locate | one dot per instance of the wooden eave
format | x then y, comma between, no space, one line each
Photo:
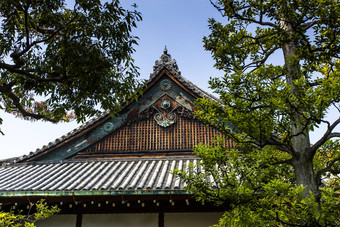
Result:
102,204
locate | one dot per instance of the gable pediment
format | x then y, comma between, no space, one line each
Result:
165,127
160,122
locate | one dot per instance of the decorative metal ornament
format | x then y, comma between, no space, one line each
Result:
108,127
165,85
165,119
165,104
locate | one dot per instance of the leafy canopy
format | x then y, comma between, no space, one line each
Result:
56,58
281,62
41,211
262,98
258,189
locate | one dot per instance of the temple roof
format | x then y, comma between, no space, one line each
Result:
133,154
181,94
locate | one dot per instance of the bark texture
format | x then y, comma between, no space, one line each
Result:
302,160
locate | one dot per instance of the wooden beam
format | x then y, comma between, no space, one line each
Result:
160,219
79,220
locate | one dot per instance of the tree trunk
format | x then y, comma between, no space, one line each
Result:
302,159
304,173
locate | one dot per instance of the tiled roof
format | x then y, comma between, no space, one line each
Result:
137,176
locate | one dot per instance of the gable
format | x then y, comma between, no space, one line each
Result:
157,130
161,122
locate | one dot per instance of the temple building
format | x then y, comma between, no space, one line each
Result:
119,171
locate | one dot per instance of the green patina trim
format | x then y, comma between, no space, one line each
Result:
91,193
176,92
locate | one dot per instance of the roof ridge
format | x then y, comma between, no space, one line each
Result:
58,140
168,158
166,61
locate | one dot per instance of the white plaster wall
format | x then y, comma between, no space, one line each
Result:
58,220
191,219
120,220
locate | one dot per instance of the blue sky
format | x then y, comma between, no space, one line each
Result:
178,24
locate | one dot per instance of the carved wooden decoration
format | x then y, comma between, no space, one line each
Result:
164,126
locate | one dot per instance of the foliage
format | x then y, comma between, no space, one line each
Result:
58,60
259,188
269,105
15,220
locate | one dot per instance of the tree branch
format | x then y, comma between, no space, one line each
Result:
308,25
219,9
258,63
274,141
328,46
260,22
14,69
17,55
283,222
7,90
238,16
288,161
26,23
334,134
328,134
327,169
334,104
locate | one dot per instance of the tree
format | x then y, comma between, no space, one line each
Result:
56,58
269,108
18,219
257,188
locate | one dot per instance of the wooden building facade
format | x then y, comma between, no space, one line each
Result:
119,171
